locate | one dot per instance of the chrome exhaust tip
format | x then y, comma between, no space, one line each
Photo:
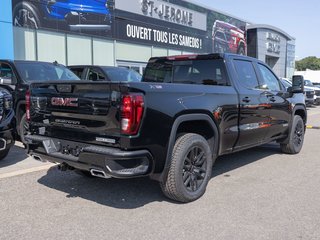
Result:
99,173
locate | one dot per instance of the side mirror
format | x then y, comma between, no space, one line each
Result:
297,84
6,81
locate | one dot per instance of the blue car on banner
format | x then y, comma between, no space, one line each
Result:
74,15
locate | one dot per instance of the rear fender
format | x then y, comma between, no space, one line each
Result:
173,135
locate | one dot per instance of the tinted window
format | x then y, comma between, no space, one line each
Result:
211,72
40,71
5,71
269,80
78,71
160,71
122,74
246,73
95,75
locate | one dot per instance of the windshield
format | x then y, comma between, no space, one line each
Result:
308,83
122,74
42,71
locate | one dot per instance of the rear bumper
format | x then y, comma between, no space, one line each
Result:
111,161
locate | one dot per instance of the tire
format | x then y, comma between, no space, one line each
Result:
25,14
187,179
4,153
296,137
23,128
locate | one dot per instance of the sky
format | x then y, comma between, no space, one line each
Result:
300,19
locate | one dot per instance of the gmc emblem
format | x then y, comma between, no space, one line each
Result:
65,102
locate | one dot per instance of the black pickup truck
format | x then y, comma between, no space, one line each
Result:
187,111
18,75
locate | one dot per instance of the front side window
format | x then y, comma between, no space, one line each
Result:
269,80
246,73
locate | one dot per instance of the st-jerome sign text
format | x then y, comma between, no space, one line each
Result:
167,12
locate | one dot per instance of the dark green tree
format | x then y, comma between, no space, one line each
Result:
312,63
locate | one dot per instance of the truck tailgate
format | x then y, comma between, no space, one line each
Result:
82,111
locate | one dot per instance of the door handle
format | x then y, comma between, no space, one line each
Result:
246,100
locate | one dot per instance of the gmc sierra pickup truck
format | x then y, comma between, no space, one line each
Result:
187,111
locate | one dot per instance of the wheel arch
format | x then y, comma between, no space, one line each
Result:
20,111
186,124
301,111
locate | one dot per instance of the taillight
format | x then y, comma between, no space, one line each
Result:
28,105
132,107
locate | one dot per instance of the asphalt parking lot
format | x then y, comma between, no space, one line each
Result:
255,194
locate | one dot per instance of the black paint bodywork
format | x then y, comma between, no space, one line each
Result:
220,113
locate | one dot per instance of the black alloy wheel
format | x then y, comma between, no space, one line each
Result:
190,168
296,137
194,169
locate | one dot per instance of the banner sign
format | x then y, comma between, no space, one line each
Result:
164,11
173,24
143,33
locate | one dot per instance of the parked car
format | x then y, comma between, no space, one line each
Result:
187,111
228,38
18,75
75,15
105,73
7,121
309,92
308,83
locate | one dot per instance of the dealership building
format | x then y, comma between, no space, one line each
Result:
127,33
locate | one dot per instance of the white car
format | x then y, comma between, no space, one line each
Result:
309,92
308,83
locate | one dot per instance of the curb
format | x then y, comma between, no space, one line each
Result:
312,127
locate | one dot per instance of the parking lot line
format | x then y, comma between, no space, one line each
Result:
25,171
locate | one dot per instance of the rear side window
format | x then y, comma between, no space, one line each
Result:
208,72
246,73
160,71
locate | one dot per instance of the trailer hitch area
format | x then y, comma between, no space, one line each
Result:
50,146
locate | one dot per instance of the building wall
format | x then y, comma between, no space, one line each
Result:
136,35
70,49
6,41
272,49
